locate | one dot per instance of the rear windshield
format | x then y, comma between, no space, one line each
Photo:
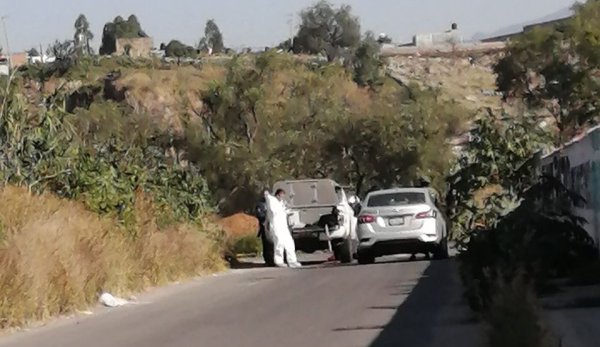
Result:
396,199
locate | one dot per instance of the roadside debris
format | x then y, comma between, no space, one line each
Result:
108,300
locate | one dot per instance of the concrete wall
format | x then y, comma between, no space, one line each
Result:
577,165
464,48
140,47
438,39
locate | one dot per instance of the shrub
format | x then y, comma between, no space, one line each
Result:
46,151
513,319
249,244
57,256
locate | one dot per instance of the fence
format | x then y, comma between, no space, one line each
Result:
577,166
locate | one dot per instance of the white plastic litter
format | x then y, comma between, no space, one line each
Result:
108,300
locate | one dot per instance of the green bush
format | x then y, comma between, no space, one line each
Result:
249,244
525,223
47,152
532,238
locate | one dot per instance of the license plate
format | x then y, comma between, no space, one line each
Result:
396,221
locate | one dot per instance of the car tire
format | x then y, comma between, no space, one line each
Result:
365,259
343,252
441,251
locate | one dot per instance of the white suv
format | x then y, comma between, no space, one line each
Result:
402,220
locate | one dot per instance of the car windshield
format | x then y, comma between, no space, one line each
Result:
396,199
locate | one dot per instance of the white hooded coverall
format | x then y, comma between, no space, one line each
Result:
280,231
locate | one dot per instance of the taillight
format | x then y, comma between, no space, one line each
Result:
425,215
366,219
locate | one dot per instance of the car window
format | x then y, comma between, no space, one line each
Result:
396,199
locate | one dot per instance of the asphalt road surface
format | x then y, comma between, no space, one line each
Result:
391,303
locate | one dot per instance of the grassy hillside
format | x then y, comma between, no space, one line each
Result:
56,256
473,85
114,169
233,112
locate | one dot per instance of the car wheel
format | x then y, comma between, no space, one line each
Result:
343,252
442,251
365,259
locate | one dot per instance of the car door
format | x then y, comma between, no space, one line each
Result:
350,220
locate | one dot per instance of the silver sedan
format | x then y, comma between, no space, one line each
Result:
401,220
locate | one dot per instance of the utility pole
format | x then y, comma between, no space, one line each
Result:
8,54
291,23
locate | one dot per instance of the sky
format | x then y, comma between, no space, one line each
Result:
258,23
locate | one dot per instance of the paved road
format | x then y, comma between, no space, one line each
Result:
394,303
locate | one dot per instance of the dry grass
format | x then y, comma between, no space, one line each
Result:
239,225
455,77
56,257
166,95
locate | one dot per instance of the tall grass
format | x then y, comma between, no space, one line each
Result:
56,256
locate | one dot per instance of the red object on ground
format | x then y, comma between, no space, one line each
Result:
332,258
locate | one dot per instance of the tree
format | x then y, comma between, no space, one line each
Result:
32,52
493,169
212,42
179,50
324,29
555,68
507,220
65,53
367,63
83,35
383,38
117,29
278,118
285,45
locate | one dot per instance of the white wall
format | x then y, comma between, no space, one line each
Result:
580,172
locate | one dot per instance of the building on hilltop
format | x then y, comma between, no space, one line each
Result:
526,29
18,59
134,47
13,61
449,37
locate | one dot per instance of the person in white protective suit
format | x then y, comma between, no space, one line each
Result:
279,230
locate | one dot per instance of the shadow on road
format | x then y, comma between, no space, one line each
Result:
237,264
416,318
